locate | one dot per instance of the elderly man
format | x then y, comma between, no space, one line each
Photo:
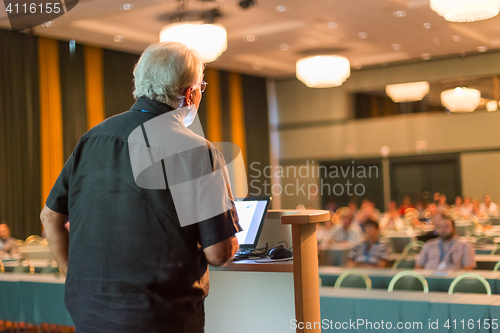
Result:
133,261
8,245
373,252
447,252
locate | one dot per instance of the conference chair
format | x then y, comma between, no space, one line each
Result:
408,262
413,248
51,269
495,251
33,240
484,240
497,266
353,279
408,280
29,268
20,242
470,283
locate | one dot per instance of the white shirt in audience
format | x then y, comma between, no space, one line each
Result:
352,235
492,210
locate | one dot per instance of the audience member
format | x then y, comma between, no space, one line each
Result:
391,219
353,207
373,252
367,212
456,209
431,214
8,245
443,204
436,197
467,208
447,252
324,233
405,205
476,210
488,207
421,206
346,231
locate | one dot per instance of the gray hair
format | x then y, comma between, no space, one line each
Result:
165,70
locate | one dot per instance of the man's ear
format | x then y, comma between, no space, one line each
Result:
187,95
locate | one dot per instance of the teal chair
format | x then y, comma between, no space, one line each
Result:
354,279
497,266
408,280
495,251
50,270
413,248
470,283
408,263
484,240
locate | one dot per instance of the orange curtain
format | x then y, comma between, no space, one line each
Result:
93,59
51,133
213,105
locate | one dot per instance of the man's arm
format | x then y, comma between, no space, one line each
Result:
382,263
57,235
220,253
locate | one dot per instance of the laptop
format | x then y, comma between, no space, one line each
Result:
251,213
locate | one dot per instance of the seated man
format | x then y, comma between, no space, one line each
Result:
346,231
373,252
8,245
447,252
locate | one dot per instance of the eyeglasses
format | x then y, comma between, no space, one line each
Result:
203,86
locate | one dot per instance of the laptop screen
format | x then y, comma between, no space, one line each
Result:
251,213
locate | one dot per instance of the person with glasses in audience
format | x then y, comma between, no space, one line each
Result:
133,263
447,252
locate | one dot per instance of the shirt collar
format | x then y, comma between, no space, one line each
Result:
150,105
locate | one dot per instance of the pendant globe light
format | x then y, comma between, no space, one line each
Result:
407,92
466,10
323,71
209,40
461,99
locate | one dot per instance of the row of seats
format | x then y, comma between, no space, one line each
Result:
411,280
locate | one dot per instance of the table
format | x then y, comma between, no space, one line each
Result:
33,299
333,255
382,277
346,304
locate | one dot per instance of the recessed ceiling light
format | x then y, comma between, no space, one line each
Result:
126,6
332,25
425,56
427,25
47,24
363,35
455,38
250,38
399,13
118,39
72,45
396,47
482,48
357,65
285,47
281,8
257,66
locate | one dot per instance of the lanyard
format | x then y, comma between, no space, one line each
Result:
366,251
442,253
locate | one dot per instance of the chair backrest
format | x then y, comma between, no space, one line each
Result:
404,263
33,240
497,266
495,251
413,248
354,279
50,270
484,240
20,242
470,283
24,269
408,280
43,242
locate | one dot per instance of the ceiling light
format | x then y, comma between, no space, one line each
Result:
466,10
425,56
285,47
257,66
47,24
396,47
363,35
461,99
126,6
357,65
332,25
482,48
280,8
118,39
399,13
407,92
209,40
250,38
455,38
492,106
323,71
427,25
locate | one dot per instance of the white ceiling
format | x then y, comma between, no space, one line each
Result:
303,27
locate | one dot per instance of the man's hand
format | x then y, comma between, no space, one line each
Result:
220,253
57,236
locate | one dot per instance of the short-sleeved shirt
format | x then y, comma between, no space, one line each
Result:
368,253
353,235
454,255
132,267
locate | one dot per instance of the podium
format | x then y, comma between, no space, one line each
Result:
248,296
